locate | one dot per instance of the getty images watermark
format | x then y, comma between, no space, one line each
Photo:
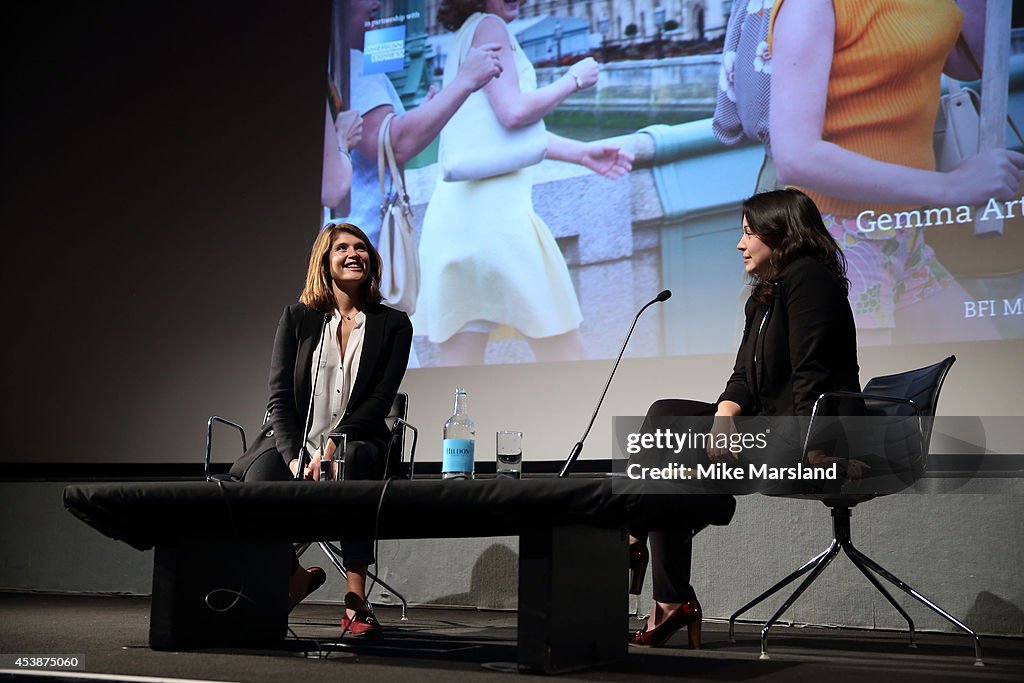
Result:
670,442
857,455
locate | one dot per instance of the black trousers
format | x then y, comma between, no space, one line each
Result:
364,460
672,551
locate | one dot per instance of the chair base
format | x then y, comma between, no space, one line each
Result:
841,541
333,554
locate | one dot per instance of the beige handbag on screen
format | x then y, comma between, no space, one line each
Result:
400,276
955,136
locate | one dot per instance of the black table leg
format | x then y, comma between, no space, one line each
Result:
573,605
212,592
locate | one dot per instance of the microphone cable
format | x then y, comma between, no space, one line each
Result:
239,593
299,470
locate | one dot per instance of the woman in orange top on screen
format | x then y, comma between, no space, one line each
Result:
854,93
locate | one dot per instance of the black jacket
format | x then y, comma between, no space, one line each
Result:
385,354
808,345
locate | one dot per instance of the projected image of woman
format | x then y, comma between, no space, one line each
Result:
340,137
487,259
799,340
374,97
349,351
854,92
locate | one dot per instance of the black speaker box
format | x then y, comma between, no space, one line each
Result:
213,592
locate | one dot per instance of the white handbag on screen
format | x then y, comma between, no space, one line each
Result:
474,143
957,124
399,253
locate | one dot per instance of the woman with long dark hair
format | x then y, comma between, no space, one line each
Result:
798,342
339,358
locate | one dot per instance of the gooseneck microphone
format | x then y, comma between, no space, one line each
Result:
578,448
303,455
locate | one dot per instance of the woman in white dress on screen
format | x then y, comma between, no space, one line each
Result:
487,259
374,97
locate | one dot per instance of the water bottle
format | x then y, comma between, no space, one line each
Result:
459,441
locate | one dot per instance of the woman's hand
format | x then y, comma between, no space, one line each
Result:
585,73
412,131
610,161
721,436
996,174
482,63
349,127
312,469
848,469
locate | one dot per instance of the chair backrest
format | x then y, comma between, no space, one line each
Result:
396,447
894,441
922,386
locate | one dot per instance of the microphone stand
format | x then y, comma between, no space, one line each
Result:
574,454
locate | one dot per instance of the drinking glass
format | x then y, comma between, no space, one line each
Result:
509,449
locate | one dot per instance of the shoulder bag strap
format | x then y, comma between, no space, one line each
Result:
962,44
397,175
383,145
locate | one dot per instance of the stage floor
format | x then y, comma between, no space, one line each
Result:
110,636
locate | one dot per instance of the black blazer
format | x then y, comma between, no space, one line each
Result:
385,355
808,345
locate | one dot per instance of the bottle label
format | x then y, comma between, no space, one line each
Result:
457,455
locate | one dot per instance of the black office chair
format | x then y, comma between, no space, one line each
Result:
395,467
899,409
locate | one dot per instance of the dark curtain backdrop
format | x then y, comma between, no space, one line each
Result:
162,169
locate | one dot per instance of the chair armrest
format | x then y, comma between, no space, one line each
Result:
401,423
209,439
861,395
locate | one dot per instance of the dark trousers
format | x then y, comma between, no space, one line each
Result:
672,551
363,460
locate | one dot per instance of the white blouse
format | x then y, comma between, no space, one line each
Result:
335,379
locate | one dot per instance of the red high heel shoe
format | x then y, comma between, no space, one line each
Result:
364,623
638,559
688,614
